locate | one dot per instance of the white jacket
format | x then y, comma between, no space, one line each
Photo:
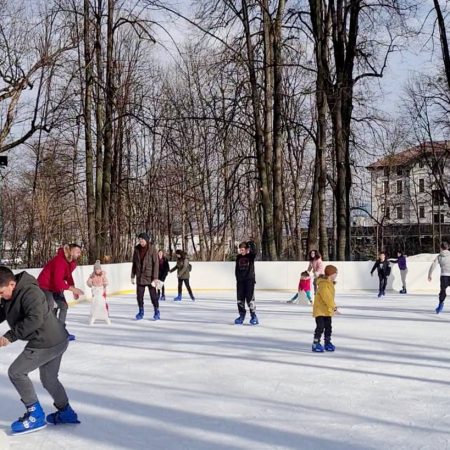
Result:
444,261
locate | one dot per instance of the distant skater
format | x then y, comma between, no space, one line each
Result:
245,283
401,261
163,272
443,259
183,268
383,267
316,266
303,294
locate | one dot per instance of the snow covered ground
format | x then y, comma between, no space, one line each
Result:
196,381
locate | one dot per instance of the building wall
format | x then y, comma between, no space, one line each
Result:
411,199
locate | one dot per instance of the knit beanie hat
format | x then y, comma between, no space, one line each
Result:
330,270
144,236
97,266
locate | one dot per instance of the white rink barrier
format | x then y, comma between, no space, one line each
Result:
352,276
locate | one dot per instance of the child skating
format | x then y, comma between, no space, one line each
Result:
383,267
324,309
98,281
183,269
30,318
245,283
303,295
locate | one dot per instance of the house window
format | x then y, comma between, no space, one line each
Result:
421,212
421,185
399,187
386,187
387,212
399,171
399,212
438,197
438,218
386,171
421,164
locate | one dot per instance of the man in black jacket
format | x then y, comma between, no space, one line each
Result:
245,282
383,267
25,308
145,269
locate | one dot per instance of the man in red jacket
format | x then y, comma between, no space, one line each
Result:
56,277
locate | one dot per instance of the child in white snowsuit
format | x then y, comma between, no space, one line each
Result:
97,281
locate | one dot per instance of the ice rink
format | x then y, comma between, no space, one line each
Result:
194,380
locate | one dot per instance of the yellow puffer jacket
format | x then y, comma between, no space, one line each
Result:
324,300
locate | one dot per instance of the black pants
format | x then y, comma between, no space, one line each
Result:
382,283
140,291
162,292
188,286
323,323
445,283
246,294
58,304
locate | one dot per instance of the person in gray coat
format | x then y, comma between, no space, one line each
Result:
183,269
443,259
30,318
145,269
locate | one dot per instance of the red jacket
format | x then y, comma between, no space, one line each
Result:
56,276
304,285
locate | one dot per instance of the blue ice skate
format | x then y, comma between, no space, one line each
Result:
379,294
71,337
317,347
32,420
163,298
329,347
156,316
239,320
63,415
193,299
140,314
178,298
440,307
254,320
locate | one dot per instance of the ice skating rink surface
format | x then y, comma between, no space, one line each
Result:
196,381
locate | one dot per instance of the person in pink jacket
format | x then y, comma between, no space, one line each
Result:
316,266
98,281
304,285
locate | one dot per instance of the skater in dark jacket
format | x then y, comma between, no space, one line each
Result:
163,272
383,267
145,269
245,283
30,318
183,269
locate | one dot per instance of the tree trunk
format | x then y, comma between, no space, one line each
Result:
87,105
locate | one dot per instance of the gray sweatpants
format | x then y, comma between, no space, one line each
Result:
48,361
403,274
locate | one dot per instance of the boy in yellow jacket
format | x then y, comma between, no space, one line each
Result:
324,309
